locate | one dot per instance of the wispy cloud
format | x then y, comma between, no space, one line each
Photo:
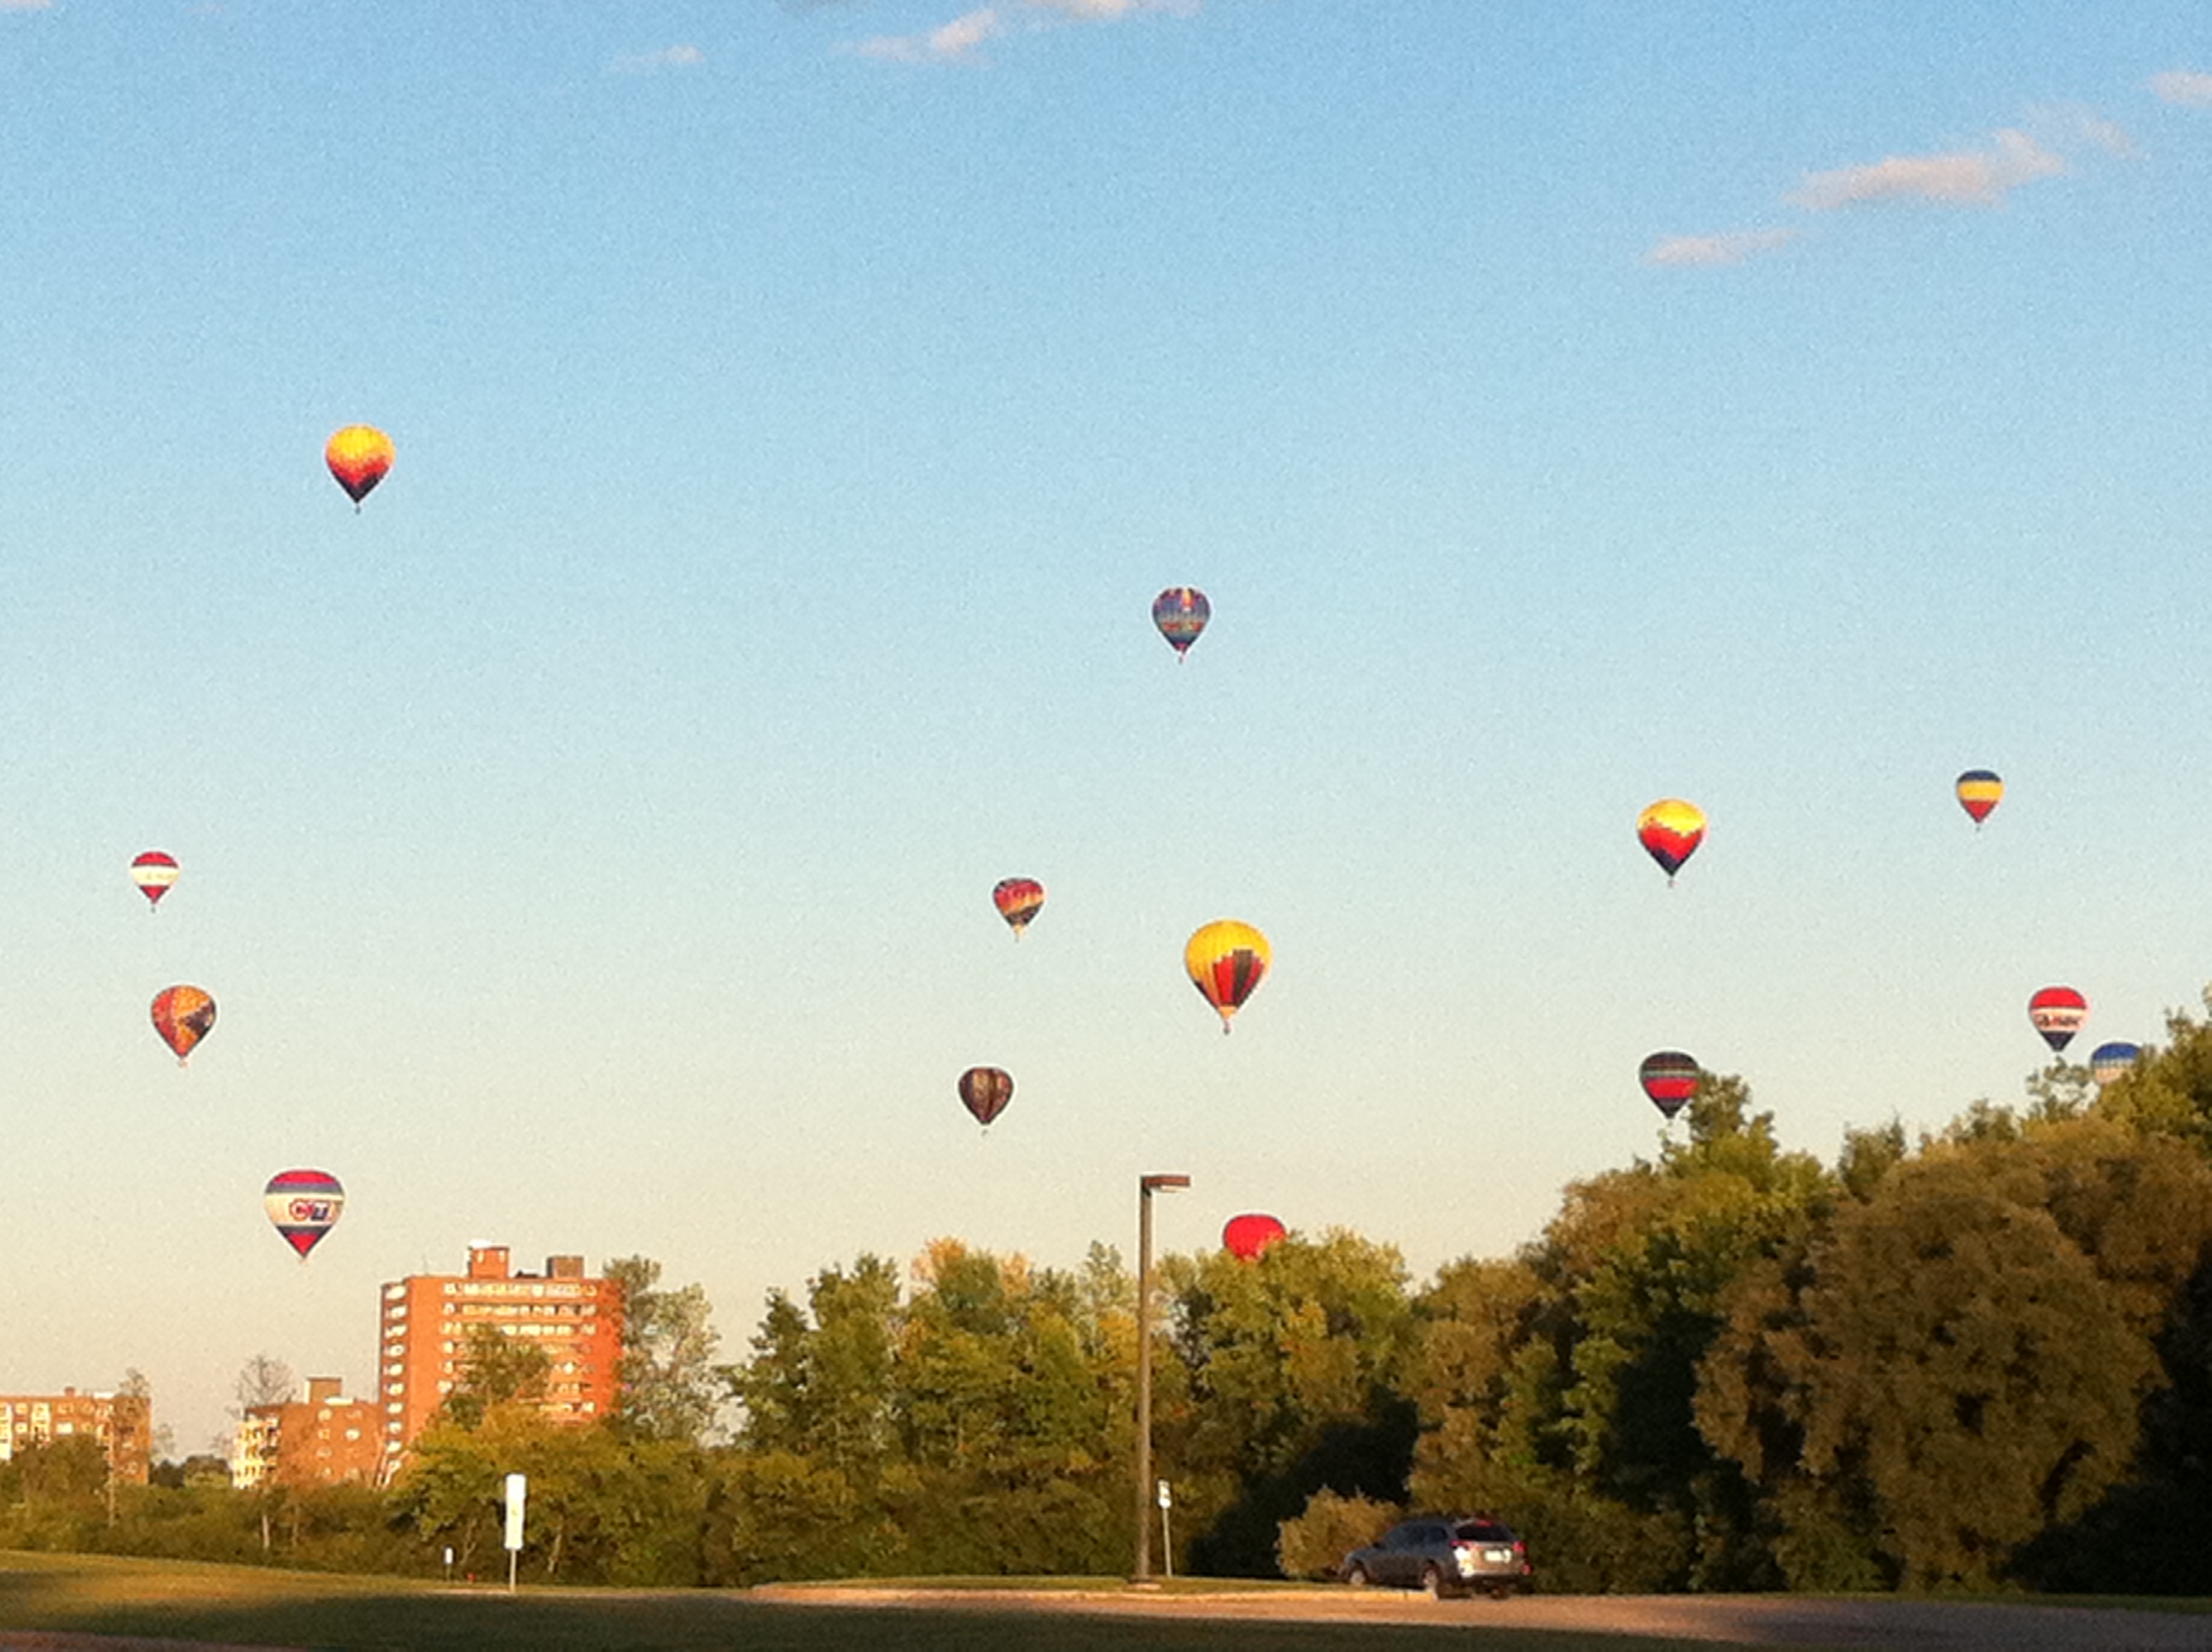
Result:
961,39
1710,252
1959,178
957,41
673,57
2183,86
1108,11
24,5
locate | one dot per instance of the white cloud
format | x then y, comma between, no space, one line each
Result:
1711,251
1108,11
26,5
1961,178
958,41
2184,86
953,42
674,57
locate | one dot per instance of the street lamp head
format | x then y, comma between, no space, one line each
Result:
1150,1184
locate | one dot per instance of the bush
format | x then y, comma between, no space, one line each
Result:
1315,1543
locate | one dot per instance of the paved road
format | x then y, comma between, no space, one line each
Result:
1739,1620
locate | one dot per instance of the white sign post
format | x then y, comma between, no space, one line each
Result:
1167,1536
518,1492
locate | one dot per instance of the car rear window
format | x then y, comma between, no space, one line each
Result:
1484,1531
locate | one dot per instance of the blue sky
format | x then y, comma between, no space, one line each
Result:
589,844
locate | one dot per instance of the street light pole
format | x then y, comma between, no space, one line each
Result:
1146,1185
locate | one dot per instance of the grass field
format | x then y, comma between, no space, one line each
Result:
247,1606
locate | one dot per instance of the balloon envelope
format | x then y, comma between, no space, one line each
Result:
1669,1078
154,872
359,456
1979,791
1017,900
182,1016
1180,611
2058,1013
304,1205
985,1091
1670,831
2108,1061
1226,960
1245,1237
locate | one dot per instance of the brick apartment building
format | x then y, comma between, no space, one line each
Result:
427,1318
122,1423
322,1440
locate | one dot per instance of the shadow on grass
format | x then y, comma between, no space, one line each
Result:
247,1606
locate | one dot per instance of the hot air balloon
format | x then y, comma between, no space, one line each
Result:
985,1091
1226,960
1979,791
1669,1078
182,1016
2108,1061
359,456
154,872
2058,1013
1017,900
304,1205
1246,1236
1670,831
1180,611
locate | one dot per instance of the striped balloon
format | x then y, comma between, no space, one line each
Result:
1979,791
154,872
304,1205
2057,1014
1669,1078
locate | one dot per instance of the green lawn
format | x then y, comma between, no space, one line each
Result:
184,1601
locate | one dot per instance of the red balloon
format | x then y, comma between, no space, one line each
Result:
1017,900
1246,1236
2058,1013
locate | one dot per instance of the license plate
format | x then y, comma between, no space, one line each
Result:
1497,1556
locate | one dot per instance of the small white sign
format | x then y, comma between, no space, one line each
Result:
517,1491
1166,1497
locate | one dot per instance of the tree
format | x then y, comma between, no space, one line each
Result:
670,1387
1959,1360
495,1369
1288,1377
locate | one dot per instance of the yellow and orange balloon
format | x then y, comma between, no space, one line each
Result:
1670,831
1226,960
359,456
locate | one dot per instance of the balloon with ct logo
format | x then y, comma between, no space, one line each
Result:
1247,1236
1669,1078
1017,900
1226,960
305,1206
1180,611
985,1091
1670,831
1978,791
359,456
155,873
182,1016
2057,1014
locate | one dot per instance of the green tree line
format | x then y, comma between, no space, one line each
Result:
1979,1360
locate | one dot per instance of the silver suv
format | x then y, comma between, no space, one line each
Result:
1444,1555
